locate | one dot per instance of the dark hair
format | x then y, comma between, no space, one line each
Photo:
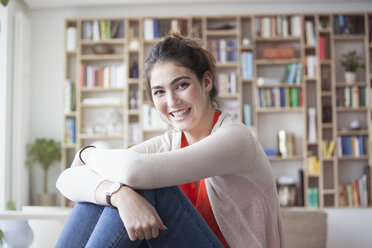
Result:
183,52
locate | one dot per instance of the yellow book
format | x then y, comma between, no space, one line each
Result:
331,148
103,29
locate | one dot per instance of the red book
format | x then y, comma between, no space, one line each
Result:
322,51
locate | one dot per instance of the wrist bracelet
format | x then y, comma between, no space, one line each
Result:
82,151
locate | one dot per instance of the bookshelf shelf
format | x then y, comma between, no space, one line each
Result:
329,191
327,125
226,64
276,61
242,47
101,136
100,89
222,33
252,104
94,57
281,85
351,109
342,84
279,159
352,132
278,110
278,39
346,158
69,146
325,62
70,114
102,105
103,42
348,37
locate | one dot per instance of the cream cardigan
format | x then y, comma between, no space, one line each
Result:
239,180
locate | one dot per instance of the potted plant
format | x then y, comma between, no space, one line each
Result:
4,2
44,152
351,63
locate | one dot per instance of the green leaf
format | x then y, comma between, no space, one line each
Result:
10,205
1,236
4,2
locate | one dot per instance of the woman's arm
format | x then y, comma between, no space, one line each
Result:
79,183
229,150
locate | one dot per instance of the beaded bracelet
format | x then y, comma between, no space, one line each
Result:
82,151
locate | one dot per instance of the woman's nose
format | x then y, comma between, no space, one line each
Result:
173,100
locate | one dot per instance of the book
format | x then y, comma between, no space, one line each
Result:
310,33
87,31
71,39
247,109
292,73
70,135
311,65
322,47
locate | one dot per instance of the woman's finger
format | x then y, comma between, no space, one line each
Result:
147,233
140,234
154,232
132,235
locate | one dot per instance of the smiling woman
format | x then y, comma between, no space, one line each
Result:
228,196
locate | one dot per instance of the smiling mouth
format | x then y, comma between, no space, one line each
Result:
181,113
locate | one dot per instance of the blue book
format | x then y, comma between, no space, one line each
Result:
247,114
156,28
292,73
249,64
282,97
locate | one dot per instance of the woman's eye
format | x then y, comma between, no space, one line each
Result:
158,92
182,85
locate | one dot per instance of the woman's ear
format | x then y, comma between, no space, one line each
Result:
207,82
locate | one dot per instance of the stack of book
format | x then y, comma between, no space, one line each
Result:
355,193
353,145
224,50
227,83
279,97
107,76
70,136
247,64
351,96
313,197
102,30
278,26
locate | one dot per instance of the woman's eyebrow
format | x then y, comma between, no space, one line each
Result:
173,82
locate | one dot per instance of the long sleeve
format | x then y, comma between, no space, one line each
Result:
79,184
231,149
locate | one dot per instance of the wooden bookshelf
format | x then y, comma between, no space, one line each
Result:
243,64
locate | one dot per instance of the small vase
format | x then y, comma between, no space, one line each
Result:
350,77
312,125
17,233
47,199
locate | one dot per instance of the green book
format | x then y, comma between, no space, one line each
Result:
108,29
114,29
294,97
287,98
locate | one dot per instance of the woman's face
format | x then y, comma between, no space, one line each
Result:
180,96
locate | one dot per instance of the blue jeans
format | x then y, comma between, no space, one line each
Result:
91,225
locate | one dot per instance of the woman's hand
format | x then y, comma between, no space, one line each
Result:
140,218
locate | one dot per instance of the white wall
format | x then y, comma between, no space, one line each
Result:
14,175
3,103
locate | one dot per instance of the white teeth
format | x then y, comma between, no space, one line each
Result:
180,113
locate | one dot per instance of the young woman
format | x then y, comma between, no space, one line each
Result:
214,158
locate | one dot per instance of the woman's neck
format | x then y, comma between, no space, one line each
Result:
203,129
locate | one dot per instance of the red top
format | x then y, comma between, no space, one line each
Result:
200,199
